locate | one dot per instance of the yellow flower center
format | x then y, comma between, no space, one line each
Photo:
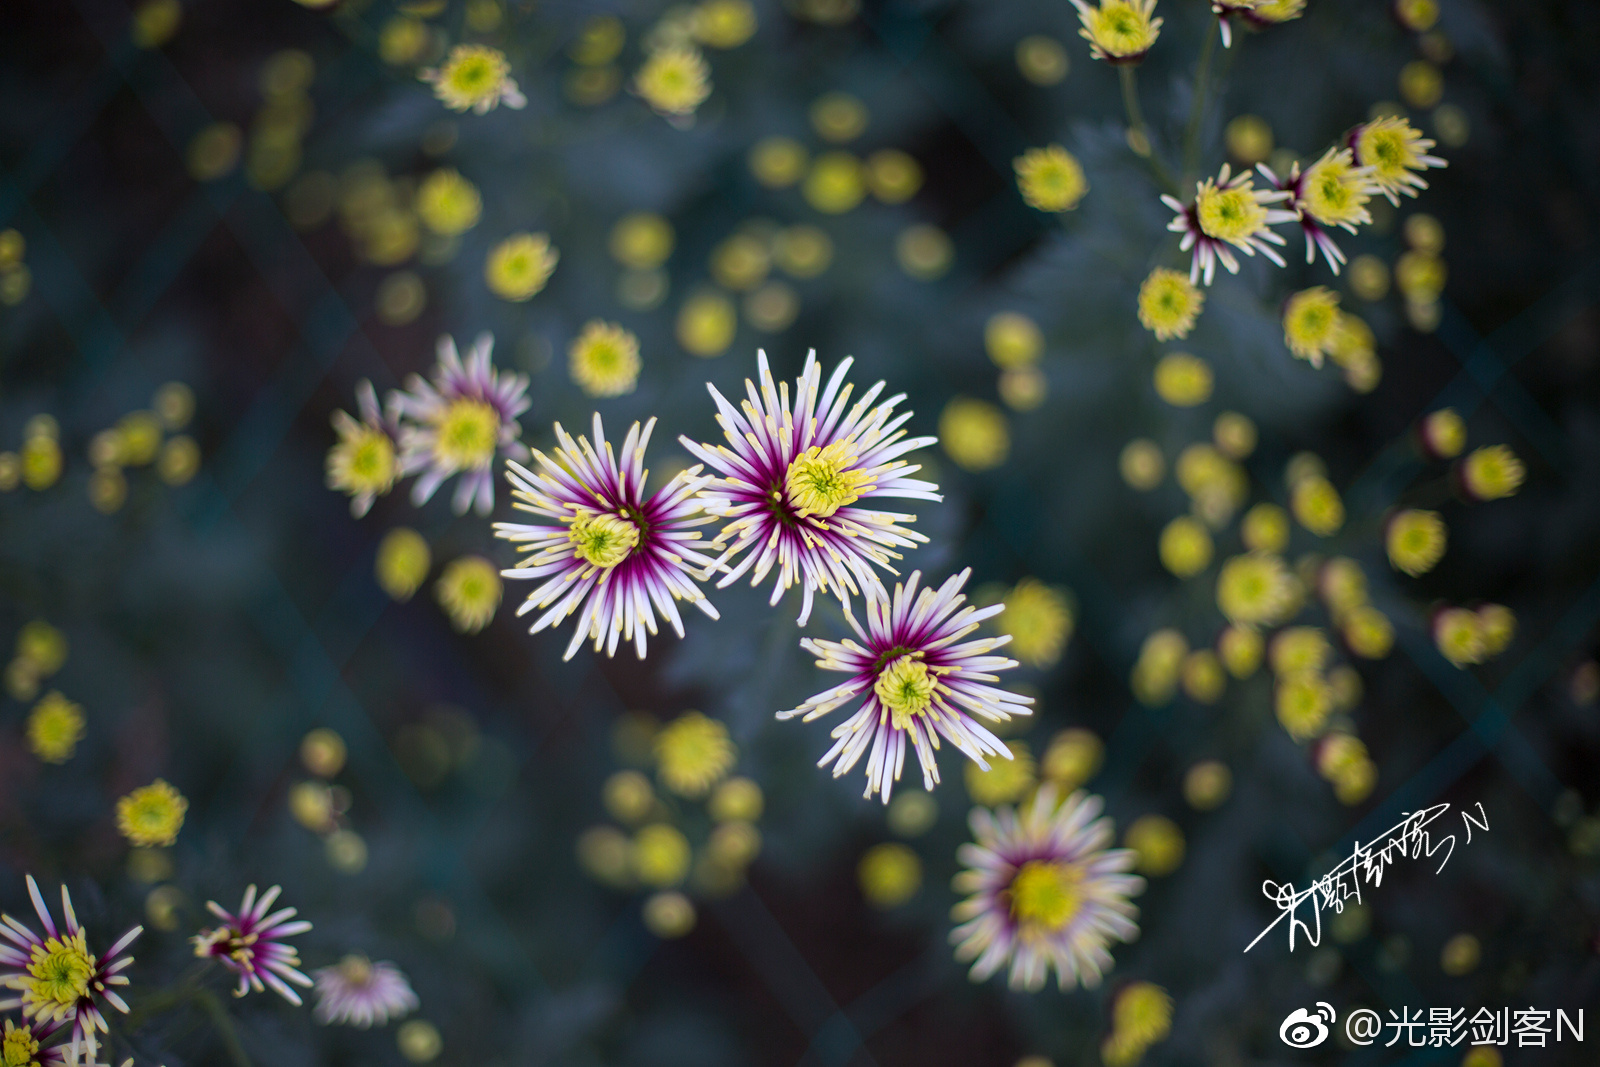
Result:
1332,192
906,688
18,1048
466,434
1047,894
820,480
602,540
1384,149
58,976
1230,214
1119,28
357,970
474,76
369,460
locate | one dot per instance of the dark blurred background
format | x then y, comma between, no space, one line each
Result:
213,624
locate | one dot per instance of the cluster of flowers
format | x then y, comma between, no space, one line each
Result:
692,757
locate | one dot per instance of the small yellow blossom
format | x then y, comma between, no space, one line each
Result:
604,359
403,562
890,874
1334,191
469,591
55,726
736,800
1276,11
1160,662
1343,585
1141,464
1006,781
1185,547
1141,1015
1039,619
778,162
1203,678
1303,702
693,753
1183,380
668,914
475,77
1458,633
674,80
1311,323
40,461
706,323
1207,784
519,266
152,816
1498,625
1394,151
1443,433
1248,138
894,176
1255,589
974,433
1158,842
1299,648
1072,758
1118,31
724,23
1240,649
1316,506
835,183
838,117
1012,339
1415,540
660,855
1491,472
447,203
1368,632
1169,304
1265,528
641,241
1235,212
1050,178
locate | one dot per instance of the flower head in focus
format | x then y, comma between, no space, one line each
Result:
1227,211
611,552
251,944
798,481
1394,152
362,462
358,992
474,77
919,679
1119,31
152,815
1046,892
1169,304
60,981
458,423
1331,192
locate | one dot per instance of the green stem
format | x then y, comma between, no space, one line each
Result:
223,1024
1139,133
1197,110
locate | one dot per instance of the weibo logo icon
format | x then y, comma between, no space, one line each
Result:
1304,1029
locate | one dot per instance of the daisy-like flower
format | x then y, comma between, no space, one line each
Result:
1227,211
1272,12
358,992
1311,323
604,359
459,422
1255,589
1169,303
1491,472
60,980
1118,31
1415,540
1394,151
611,552
152,815
674,80
920,681
474,77
362,463
251,944
792,476
1050,178
1226,9
20,1045
55,726
1333,191
1045,892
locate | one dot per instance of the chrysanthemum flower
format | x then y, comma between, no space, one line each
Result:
20,1045
1415,540
1316,505
358,992
458,423
55,726
1443,433
604,359
1141,1015
447,203
1227,211
1045,892
362,463
1394,151
693,753
469,592
1255,589
1273,12
1303,702
1491,472
251,944
1119,31
60,980
1039,619
519,266
1226,9
674,80
611,552
402,563
792,477
1050,178
474,77
919,679
974,433
152,815
1333,191
1458,633
1169,303
1311,323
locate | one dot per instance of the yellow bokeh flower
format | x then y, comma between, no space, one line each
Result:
1265,528
706,323
1458,633
604,359
447,203
1006,781
519,266
1169,304
1050,178
674,80
1156,671
660,855
55,726
469,592
974,434
1303,701
890,874
1491,472
778,162
724,23
1255,589
1158,842
1311,323
1183,380
1118,31
474,77
403,562
1012,339
641,241
1368,632
1072,758
1240,649
152,816
1039,618
1443,433
835,183
1185,547
1415,540
1316,505
693,753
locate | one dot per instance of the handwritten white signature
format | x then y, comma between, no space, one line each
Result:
1409,837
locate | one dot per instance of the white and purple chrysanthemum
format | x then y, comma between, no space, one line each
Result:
920,681
251,944
60,981
1331,192
791,477
1227,211
612,552
25,1046
363,463
358,992
1045,892
459,422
